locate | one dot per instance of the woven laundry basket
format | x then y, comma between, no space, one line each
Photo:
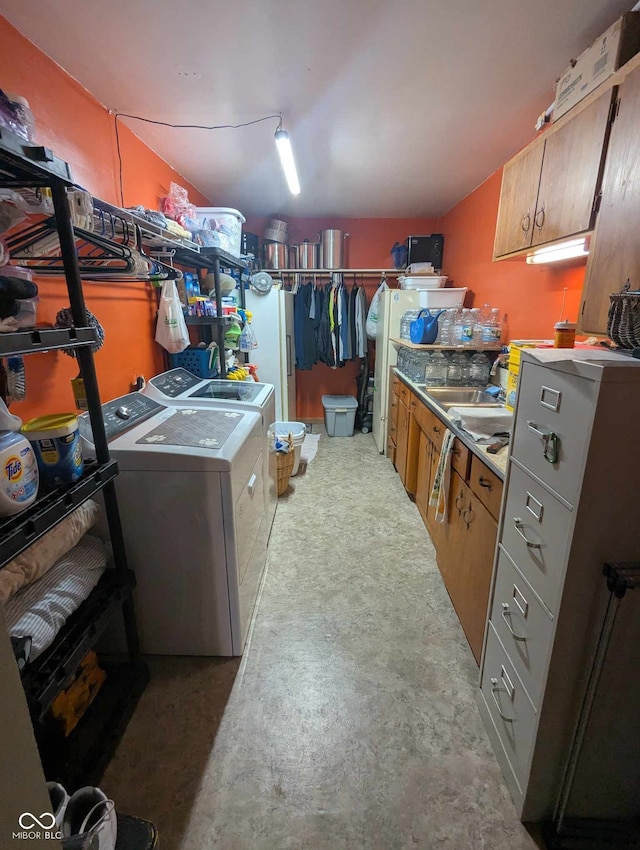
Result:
284,466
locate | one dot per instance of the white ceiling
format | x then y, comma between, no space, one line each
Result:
394,108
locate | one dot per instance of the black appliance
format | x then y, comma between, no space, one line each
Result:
249,244
426,249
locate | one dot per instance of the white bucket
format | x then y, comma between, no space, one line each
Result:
297,431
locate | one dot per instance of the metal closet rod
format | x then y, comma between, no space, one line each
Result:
276,272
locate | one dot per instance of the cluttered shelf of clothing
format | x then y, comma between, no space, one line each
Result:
60,586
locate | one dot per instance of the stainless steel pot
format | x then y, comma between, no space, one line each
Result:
294,257
275,255
308,255
332,249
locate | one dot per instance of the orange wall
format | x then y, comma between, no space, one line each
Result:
531,296
79,129
368,247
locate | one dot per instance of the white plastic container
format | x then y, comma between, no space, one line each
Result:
422,281
297,431
56,442
225,225
442,299
339,414
19,473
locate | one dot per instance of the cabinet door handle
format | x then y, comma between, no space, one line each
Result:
520,529
540,218
507,613
436,430
525,224
495,690
468,521
549,442
484,482
414,404
457,503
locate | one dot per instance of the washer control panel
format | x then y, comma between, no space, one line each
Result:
121,414
175,382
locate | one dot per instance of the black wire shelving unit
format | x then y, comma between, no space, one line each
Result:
81,757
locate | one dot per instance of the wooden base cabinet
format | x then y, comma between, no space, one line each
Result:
465,550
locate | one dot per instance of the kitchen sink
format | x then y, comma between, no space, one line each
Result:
447,397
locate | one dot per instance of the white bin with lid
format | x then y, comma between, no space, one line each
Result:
339,414
297,431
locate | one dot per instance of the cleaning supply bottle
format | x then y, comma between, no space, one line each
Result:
19,476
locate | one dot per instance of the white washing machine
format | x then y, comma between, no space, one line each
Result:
191,499
179,385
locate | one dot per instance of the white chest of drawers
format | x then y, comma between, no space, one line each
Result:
571,504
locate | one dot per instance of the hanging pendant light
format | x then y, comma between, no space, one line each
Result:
283,143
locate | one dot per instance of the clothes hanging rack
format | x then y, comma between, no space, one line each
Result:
328,272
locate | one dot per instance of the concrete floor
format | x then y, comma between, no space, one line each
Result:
351,722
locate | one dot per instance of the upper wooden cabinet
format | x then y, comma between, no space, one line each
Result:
549,189
518,198
615,248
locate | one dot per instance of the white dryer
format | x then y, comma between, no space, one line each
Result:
191,500
181,386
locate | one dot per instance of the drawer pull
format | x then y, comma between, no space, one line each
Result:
550,398
484,482
507,613
519,528
549,442
436,430
495,690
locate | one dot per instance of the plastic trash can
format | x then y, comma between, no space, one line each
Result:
297,431
339,414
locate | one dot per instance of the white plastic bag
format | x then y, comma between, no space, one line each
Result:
171,330
374,307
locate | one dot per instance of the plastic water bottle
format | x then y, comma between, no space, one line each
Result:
479,370
466,328
436,371
492,330
459,370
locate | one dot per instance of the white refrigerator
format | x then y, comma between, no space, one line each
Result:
393,304
272,324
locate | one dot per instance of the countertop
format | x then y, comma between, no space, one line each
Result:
496,463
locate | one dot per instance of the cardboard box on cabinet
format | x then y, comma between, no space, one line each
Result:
610,51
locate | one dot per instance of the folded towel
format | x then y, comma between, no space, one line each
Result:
482,423
440,490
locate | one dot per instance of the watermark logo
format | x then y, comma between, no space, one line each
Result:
45,821
37,826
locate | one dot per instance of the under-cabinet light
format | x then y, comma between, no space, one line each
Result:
283,143
569,250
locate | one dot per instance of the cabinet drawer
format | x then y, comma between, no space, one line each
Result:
552,426
460,455
531,512
523,626
511,710
405,393
433,427
486,485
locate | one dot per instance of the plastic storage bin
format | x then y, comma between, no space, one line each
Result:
195,360
224,226
339,414
297,431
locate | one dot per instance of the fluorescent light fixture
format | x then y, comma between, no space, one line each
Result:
283,143
568,250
